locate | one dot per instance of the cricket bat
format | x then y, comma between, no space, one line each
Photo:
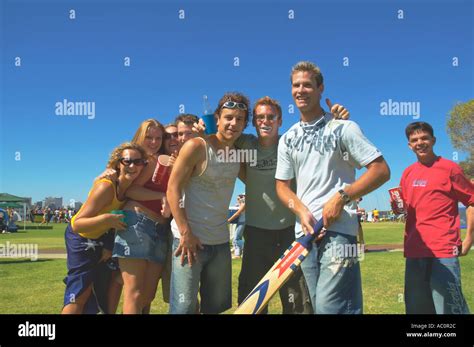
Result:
280,272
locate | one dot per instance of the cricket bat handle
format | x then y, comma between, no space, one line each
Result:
307,240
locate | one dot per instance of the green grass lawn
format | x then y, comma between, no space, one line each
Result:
44,238
383,233
383,281
37,287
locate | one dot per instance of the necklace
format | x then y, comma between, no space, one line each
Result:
313,127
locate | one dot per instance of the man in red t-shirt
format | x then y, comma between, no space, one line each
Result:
432,189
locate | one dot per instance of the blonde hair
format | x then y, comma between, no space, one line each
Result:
140,134
307,66
116,154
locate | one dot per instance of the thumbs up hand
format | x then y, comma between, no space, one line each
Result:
339,111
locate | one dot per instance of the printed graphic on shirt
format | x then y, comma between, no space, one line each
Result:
420,183
266,164
314,139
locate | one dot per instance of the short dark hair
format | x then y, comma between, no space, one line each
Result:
187,118
235,97
418,126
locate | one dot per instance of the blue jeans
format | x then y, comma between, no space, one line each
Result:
433,286
332,273
210,276
238,239
143,239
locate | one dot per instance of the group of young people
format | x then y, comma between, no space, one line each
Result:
304,175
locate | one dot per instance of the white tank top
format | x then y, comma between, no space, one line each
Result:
207,198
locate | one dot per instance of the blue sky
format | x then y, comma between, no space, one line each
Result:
175,61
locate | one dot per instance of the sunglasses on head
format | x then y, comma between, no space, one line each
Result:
137,162
233,104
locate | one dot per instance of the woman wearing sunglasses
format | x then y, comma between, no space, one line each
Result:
88,242
141,248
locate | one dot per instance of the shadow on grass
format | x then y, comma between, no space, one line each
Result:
22,261
23,231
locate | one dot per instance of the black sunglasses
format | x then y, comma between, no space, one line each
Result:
137,162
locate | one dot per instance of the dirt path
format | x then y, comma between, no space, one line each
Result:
384,248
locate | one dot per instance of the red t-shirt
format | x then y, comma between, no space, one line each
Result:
431,195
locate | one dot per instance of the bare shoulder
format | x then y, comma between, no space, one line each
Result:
194,144
193,148
102,191
103,186
192,156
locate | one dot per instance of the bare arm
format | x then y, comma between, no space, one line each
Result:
101,195
290,200
467,242
137,192
377,174
237,213
191,155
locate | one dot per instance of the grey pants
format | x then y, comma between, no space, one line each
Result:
262,249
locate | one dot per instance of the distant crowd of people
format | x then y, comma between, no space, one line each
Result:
59,215
375,215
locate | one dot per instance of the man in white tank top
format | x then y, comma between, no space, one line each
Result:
201,258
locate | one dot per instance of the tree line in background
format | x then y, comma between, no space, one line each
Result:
460,127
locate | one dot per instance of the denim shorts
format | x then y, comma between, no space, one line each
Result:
332,273
143,239
433,286
210,276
